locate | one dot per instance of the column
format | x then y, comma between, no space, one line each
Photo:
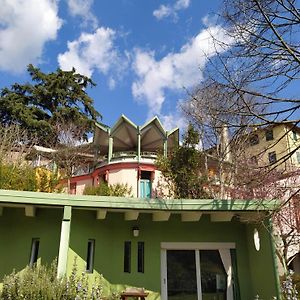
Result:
110,148
64,242
165,146
138,144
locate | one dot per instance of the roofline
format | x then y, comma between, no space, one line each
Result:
155,118
102,127
125,203
119,121
170,132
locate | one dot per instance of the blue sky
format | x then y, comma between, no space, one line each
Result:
141,53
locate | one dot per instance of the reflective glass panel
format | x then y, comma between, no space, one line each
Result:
213,276
181,275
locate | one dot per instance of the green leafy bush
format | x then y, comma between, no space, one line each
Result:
17,177
41,283
103,189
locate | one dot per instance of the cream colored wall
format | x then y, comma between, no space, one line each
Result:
160,188
82,184
283,143
124,176
293,144
129,176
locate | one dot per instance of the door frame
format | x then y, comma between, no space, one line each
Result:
164,246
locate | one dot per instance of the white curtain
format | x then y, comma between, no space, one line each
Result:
226,260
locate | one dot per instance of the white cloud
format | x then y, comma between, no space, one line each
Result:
25,27
165,11
162,12
111,83
171,121
93,52
82,8
182,4
175,70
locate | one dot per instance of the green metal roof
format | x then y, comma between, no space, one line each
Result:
8,197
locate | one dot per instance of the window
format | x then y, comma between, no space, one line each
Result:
145,185
90,256
73,186
254,140
269,135
34,252
254,160
272,157
295,135
298,157
127,257
140,261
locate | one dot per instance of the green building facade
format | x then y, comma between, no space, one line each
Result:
176,249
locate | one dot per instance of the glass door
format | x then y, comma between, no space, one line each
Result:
196,275
213,276
145,188
181,275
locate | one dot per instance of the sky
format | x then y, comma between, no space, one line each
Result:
144,55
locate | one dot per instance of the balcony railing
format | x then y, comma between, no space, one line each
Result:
126,154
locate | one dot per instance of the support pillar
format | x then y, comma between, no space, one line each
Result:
165,147
64,242
110,148
138,144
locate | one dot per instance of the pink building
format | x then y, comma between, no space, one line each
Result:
126,154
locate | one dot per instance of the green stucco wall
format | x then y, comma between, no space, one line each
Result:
17,231
111,233
261,272
255,269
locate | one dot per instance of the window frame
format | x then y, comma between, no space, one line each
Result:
34,251
254,139
141,257
269,135
272,156
127,257
90,256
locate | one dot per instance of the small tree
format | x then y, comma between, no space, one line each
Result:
182,168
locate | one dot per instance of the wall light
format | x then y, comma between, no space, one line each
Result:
135,231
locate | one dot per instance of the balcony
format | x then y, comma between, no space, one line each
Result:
128,156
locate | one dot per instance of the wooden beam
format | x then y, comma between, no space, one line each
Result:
161,216
131,215
221,217
30,211
101,214
251,216
191,216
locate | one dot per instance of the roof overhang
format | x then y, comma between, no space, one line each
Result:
161,209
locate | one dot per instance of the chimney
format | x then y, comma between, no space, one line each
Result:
225,143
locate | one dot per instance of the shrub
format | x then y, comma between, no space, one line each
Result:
290,286
17,177
41,283
103,189
99,190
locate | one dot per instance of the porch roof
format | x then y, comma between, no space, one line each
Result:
8,197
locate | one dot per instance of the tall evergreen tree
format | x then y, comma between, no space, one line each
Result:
49,99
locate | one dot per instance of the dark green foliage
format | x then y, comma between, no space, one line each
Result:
103,189
100,190
51,99
40,282
182,169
